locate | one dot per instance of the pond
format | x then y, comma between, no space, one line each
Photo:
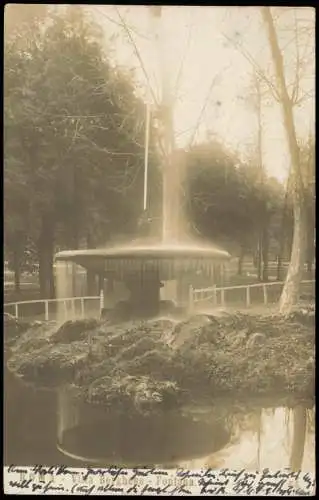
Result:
74,428
253,435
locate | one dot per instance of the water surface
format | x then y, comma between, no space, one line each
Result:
251,436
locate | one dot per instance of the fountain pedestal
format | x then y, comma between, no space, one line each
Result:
145,294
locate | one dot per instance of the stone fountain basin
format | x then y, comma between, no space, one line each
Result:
168,260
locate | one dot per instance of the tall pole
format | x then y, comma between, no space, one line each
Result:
146,150
260,166
170,211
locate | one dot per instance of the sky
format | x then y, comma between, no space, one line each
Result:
200,46
204,61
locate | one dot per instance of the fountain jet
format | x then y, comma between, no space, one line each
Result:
143,266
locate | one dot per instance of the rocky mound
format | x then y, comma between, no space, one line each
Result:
160,364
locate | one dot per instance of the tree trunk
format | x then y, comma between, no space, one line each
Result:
261,173
46,252
51,275
109,285
265,255
282,237
17,270
91,284
310,239
240,262
90,276
291,288
291,291
74,244
255,258
279,265
46,277
265,247
101,281
259,259
310,254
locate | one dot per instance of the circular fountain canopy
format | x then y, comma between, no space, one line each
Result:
168,260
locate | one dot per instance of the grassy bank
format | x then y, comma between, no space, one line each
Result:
157,365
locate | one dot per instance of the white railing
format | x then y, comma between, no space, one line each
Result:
71,307
217,296
213,297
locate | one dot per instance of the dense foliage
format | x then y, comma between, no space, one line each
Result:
229,202
73,141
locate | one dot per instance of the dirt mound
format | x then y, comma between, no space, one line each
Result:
37,335
73,331
50,366
191,360
14,328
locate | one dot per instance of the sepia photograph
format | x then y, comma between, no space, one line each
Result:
159,244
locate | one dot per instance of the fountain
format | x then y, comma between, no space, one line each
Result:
142,266
192,437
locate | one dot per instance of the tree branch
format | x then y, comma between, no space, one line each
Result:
206,101
105,150
137,53
181,67
295,89
286,103
304,97
134,30
256,67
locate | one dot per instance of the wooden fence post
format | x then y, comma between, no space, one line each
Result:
73,307
215,296
16,311
82,307
46,310
65,309
101,301
248,296
265,294
191,298
222,297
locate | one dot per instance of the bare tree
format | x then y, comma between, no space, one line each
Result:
283,231
255,98
291,289
290,91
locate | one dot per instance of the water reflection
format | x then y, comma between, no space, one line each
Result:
279,438
98,436
221,436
